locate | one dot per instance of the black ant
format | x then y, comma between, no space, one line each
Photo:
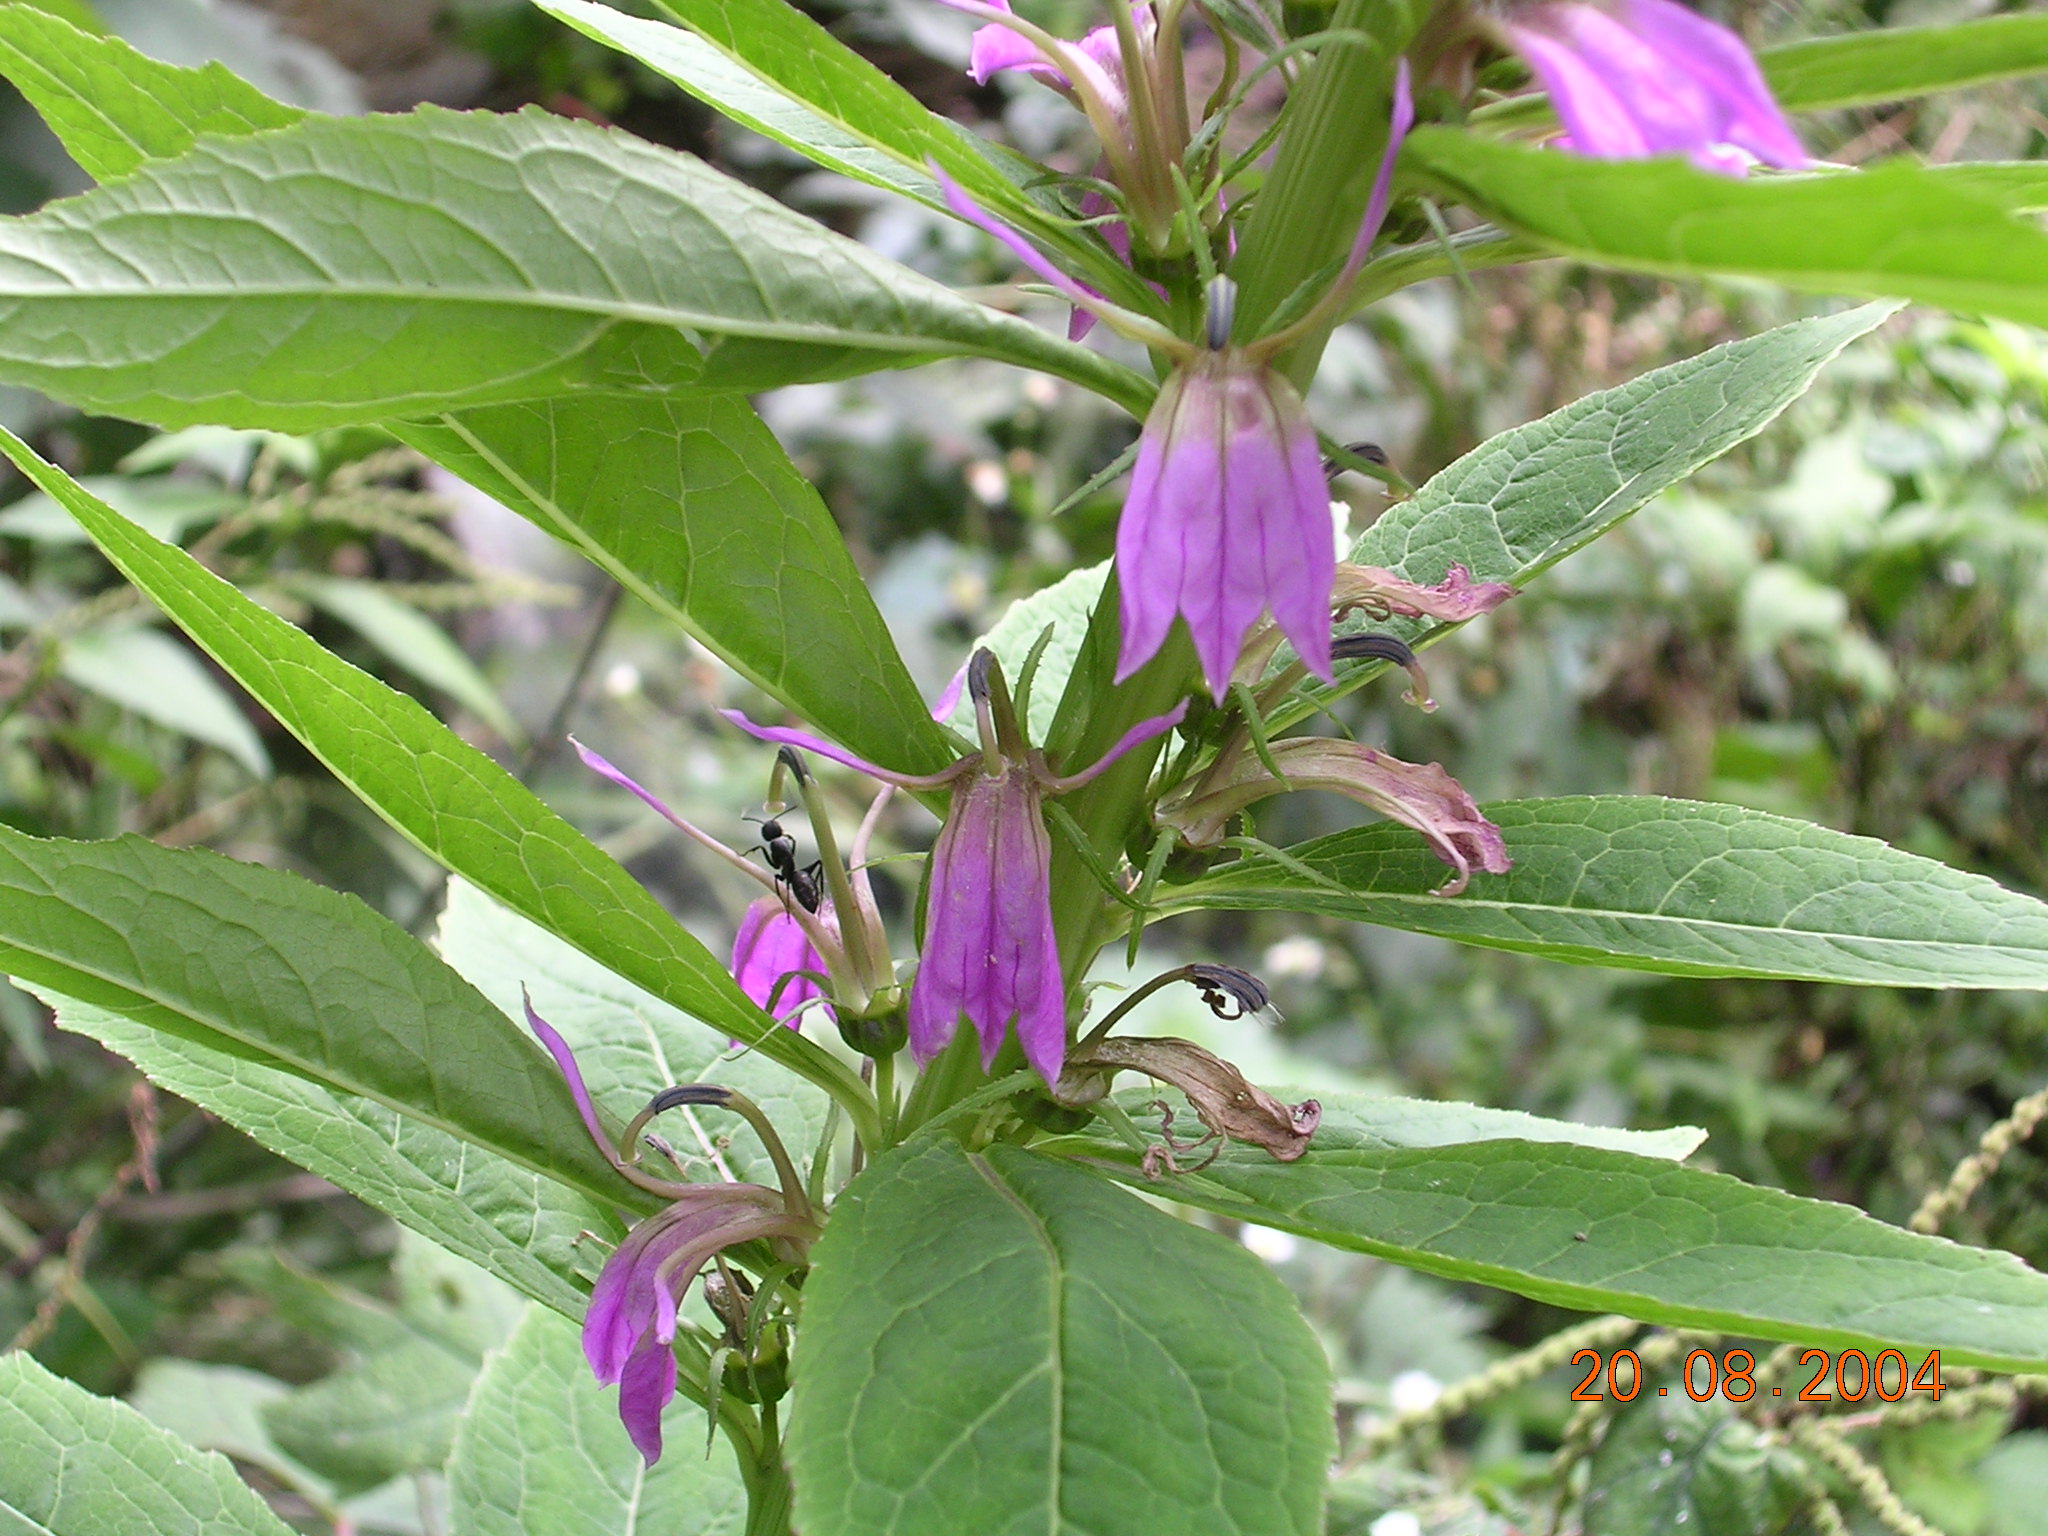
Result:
780,850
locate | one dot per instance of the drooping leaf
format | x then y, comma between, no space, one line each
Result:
1673,886
520,1225
115,108
361,269
149,673
1889,64
72,1464
693,506
993,1343
1892,230
771,68
455,803
1603,1231
411,640
261,964
541,1450
1524,499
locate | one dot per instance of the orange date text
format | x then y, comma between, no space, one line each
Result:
1849,1376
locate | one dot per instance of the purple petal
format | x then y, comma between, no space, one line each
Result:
1228,517
604,769
990,952
1747,116
770,945
1383,181
566,1060
965,206
1137,735
647,1386
1453,600
790,736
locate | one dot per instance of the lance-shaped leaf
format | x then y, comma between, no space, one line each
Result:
540,1451
770,67
521,1225
348,270
1605,1231
72,1464
451,800
1525,498
1894,230
114,107
692,504
1858,68
999,1343
1673,886
258,963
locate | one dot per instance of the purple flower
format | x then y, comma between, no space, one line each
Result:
774,960
989,950
1418,795
1384,594
1228,517
1634,78
1228,514
1001,46
630,1326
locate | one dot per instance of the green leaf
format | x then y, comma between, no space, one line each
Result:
366,268
998,1343
1671,1464
114,108
1066,605
1673,886
294,976
2019,186
413,641
520,1225
1859,68
72,1464
1524,499
393,1411
1894,230
220,1408
771,68
1602,1231
450,799
629,1043
541,1451
152,675
694,507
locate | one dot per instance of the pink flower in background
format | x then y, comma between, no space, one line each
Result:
774,960
1634,78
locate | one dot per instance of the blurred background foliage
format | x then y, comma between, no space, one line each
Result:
1845,620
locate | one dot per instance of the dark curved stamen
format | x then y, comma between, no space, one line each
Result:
688,1093
1222,313
1372,648
977,674
1224,985
789,758
1387,648
1372,453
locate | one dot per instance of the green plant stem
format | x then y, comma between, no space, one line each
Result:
1309,209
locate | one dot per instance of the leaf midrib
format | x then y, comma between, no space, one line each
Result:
1450,903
